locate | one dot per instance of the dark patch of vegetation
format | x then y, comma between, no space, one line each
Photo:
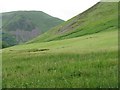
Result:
37,50
51,69
76,74
8,40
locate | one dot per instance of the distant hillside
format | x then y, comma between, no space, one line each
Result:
21,26
100,17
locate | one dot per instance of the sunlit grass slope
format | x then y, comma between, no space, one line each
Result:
101,17
87,61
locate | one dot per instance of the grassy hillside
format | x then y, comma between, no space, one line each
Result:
25,25
87,61
101,17
68,58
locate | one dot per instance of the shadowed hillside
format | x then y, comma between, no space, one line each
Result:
21,26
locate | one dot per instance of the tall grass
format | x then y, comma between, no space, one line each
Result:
84,62
95,70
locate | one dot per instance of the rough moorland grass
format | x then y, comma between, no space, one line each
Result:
60,70
103,40
88,61
101,17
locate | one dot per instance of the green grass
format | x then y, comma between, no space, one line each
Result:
101,17
79,53
89,61
25,21
38,19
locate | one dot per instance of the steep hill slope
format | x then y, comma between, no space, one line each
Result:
101,17
21,26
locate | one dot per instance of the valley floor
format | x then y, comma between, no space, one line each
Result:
82,62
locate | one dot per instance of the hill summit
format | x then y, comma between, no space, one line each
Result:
21,26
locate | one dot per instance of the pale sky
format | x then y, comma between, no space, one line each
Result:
63,9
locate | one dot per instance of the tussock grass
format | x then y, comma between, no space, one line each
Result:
61,70
85,62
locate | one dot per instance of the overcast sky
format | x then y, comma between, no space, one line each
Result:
64,9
